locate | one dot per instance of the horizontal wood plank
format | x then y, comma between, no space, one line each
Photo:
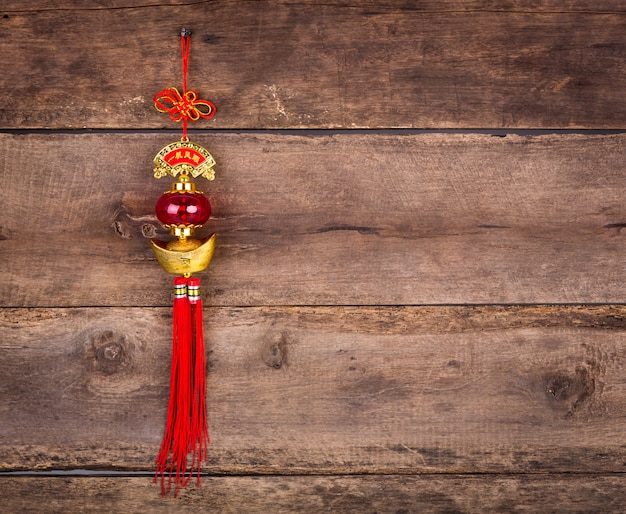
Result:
345,219
279,64
426,6
323,390
345,494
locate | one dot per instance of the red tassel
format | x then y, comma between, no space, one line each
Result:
199,428
186,429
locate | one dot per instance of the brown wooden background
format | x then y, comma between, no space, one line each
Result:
417,299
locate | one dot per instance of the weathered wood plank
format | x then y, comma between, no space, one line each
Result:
323,390
365,494
426,6
269,64
333,219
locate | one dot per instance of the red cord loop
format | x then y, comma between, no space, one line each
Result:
183,107
186,106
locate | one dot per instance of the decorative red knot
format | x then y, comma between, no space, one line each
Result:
183,107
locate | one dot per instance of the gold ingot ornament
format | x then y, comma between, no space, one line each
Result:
184,257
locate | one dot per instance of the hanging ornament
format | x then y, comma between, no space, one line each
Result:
183,209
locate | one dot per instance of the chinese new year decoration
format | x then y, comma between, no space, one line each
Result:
182,210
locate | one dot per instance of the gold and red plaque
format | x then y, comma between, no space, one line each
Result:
184,157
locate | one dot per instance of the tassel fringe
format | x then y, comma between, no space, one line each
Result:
186,432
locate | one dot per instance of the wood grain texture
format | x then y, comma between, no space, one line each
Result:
323,390
348,219
269,64
363,495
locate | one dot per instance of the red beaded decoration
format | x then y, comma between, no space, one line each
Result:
183,209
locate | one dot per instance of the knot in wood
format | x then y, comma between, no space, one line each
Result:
111,352
572,391
274,353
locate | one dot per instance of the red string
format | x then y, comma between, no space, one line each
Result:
199,436
172,458
186,106
185,44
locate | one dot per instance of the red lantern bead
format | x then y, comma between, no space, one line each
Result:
183,209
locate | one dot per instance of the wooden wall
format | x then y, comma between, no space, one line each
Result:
417,299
